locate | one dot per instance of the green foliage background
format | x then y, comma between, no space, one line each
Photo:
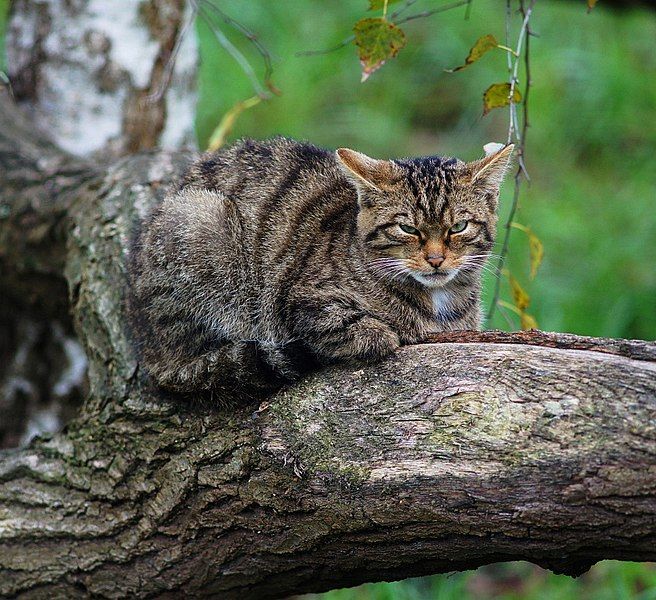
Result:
591,150
591,144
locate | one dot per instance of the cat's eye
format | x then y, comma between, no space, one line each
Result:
459,227
409,229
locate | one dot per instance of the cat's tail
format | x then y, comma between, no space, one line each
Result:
248,368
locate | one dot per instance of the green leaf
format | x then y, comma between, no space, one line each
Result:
482,46
498,95
380,4
377,40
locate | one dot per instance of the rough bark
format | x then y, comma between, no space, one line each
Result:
472,449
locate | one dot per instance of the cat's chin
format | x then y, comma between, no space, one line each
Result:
435,280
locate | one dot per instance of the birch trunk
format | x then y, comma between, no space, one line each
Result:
98,78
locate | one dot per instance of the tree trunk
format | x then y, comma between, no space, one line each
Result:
469,449
95,75
102,79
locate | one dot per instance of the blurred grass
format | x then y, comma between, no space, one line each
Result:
514,581
592,200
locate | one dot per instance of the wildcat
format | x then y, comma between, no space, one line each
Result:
273,257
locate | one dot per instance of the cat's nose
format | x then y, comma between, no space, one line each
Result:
435,260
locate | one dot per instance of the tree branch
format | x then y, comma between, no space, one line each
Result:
37,185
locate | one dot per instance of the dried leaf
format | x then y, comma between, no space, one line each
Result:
520,298
527,321
377,40
498,95
482,46
223,129
591,4
536,252
380,4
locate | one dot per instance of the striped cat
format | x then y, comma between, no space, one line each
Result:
275,257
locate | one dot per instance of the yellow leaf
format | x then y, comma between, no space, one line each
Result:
527,321
377,40
482,46
223,129
536,252
520,298
591,4
498,95
535,247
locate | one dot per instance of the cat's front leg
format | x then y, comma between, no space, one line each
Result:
344,333
367,339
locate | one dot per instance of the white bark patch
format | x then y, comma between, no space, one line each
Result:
181,95
96,53
132,48
73,374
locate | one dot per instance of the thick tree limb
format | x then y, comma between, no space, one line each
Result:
480,448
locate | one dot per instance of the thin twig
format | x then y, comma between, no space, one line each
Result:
345,42
249,35
430,13
513,125
393,16
520,136
527,89
468,9
399,11
229,47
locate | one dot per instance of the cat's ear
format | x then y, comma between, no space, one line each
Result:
367,172
488,172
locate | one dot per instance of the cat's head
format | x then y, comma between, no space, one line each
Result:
427,218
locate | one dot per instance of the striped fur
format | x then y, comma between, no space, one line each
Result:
275,257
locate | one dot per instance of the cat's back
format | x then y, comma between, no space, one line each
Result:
289,195
252,172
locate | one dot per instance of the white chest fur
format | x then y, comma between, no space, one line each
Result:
441,302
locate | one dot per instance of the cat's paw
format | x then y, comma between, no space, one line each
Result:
369,339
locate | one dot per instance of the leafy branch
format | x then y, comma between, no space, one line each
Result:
380,38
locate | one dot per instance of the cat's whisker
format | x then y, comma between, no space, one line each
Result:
390,268
393,273
488,270
477,264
